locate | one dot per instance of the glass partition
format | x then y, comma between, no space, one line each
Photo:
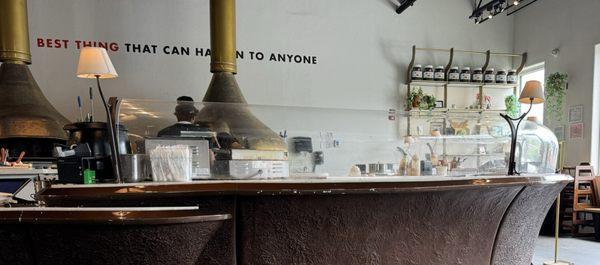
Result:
182,141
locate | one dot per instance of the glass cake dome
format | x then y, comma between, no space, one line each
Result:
537,148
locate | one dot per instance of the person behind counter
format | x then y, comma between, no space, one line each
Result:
186,112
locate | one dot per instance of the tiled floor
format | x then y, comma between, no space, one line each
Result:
581,251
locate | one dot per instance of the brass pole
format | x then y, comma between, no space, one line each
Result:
556,227
14,34
222,41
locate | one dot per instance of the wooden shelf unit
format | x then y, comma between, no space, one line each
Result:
445,84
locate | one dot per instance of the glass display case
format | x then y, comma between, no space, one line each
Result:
317,142
537,148
184,141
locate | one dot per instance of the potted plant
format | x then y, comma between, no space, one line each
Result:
556,85
414,98
427,102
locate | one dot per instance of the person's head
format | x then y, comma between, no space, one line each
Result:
185,109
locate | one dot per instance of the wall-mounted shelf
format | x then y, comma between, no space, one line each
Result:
476,138
452,52
446,84
446,111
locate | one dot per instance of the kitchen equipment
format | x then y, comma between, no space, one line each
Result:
95,135
134,167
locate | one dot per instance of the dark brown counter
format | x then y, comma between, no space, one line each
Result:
376,220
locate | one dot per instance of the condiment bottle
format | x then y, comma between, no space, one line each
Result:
417,72
477,75
439,74
428,72
454,74
512,77
489,76
501,77
465,74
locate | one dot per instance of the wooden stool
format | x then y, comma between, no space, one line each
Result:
582,197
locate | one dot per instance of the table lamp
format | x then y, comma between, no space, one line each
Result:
532,94
95,63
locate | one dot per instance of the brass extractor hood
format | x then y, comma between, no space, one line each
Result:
232,118
25,113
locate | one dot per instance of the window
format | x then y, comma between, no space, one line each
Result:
595,153
534,72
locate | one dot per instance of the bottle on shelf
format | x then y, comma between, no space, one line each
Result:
501,76
465,74
439,74
428,73
477,75
454,74
512,78
417,72
489,76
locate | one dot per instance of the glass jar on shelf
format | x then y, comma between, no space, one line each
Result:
439,74
465,74
454,74
416,72
512,77
501,76
428,72
489,76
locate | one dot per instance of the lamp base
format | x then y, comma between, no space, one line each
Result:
558,262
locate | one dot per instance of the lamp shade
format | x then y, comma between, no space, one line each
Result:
94,62
532,93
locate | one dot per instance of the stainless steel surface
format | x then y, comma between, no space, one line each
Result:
134,167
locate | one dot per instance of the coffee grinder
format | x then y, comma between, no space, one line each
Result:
88,149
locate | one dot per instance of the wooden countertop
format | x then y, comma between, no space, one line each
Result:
330,185
107,215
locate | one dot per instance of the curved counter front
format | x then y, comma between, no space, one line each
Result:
371,220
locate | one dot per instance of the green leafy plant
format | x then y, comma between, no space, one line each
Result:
414,98
556,86
512,105
427,102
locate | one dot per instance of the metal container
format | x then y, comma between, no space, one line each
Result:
133,168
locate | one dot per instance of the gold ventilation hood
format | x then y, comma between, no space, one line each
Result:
233,118
25,113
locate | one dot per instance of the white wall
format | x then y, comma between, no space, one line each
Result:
571,26
363,47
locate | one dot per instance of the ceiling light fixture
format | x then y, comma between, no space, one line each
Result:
495,7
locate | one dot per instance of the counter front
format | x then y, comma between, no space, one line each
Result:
365,220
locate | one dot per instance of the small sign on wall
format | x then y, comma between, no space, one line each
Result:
576,130
576,113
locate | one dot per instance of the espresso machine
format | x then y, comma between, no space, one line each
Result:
88,148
